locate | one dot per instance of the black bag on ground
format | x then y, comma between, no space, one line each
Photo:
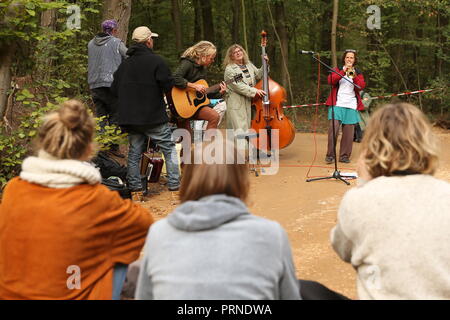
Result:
116,184
109,167
114,174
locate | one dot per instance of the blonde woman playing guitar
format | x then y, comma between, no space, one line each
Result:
192,68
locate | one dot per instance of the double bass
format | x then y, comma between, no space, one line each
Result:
269,110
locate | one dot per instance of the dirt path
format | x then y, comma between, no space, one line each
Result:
307,210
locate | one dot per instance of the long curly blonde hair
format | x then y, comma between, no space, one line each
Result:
200,50
399,138
229,55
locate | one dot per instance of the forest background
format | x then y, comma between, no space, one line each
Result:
43,51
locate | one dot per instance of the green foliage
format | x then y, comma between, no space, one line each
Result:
21,18
16,144
108,135
411,51
440,98
58,62
376,68
408,52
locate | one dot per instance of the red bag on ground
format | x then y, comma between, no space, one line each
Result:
151,165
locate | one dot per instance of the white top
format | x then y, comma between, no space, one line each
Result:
395,231
346,94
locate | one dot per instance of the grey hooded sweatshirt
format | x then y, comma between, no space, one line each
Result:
214,248
105,54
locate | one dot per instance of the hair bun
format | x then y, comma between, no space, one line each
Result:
73,114
67,132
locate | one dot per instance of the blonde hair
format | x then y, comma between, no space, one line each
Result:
200,50
67,132
229,55
399,138
200,180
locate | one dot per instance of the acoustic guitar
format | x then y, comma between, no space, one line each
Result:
186,102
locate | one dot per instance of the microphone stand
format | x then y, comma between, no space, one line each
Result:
336,174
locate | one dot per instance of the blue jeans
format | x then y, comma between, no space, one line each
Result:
120,274
161,136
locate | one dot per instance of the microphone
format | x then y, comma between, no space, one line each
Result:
306,52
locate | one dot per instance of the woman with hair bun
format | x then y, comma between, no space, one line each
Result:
62,233
394,228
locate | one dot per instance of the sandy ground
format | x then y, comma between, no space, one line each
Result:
307,210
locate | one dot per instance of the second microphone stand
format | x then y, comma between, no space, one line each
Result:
336,174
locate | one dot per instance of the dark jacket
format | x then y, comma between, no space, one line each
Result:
334,79
190,71
140,84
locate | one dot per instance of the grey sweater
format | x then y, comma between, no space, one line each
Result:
105,54
395,231
215,249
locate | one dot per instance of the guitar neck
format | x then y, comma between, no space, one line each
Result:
216,87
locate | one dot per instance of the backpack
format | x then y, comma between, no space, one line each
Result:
109,167
116,184
114,174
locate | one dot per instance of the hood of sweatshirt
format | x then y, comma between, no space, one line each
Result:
195,64
102,38
207,213
138,48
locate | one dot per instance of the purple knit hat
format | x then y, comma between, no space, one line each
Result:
109,25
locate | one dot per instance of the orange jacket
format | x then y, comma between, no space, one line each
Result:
45,232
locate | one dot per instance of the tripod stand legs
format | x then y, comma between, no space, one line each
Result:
336,175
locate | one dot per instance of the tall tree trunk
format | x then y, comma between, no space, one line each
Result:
255,30
177,24
333,32
418,36
438,42
280,18
7,52
208,25
48,18
323,27
443,40
48,22
197,21
244,24
120,10
236,20
416,61
6,59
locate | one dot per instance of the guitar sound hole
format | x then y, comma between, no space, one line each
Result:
199,95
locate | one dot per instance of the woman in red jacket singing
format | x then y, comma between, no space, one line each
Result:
347,101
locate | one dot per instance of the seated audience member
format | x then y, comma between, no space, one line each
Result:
394,228
62,233
212,247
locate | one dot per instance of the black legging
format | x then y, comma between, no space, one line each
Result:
311,290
